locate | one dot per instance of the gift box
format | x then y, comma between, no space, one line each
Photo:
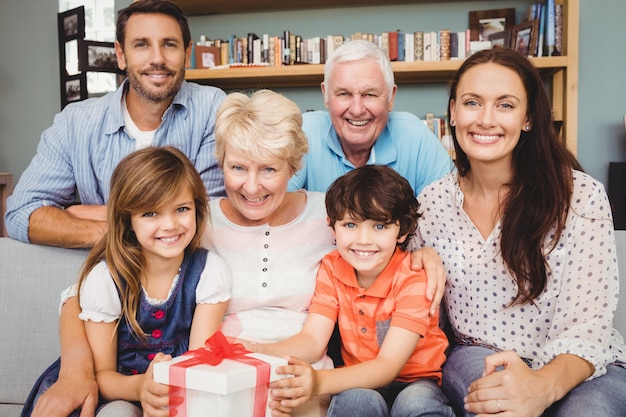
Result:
237,386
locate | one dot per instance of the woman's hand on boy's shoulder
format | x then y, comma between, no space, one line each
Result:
428,259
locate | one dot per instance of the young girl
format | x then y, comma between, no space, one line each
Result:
148,286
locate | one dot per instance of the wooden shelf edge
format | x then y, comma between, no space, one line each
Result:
308,75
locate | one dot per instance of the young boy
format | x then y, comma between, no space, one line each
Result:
392,349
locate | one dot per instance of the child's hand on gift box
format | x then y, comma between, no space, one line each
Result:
154,396
278,410
297,390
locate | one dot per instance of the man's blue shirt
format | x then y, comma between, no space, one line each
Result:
406,145
78,153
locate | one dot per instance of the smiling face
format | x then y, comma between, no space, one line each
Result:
489,112
367,245
165,233
153,56
359,103
256,191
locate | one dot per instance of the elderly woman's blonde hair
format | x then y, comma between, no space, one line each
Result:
262,127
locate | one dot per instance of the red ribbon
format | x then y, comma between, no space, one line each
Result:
215,351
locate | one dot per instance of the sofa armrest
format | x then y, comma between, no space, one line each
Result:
31,280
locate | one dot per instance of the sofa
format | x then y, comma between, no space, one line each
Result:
31,280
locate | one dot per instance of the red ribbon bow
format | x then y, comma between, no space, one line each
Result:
216,349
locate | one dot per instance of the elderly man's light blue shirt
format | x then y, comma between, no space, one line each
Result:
406,145
78,153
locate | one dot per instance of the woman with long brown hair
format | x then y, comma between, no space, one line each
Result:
527,241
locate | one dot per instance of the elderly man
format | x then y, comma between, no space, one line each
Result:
360,128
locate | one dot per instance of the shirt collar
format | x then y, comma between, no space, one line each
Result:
344,272
384,151
183,97
115,121
115,115
455,185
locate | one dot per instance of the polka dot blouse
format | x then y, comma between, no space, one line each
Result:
574,313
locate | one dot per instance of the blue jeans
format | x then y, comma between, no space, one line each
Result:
420,398
600,397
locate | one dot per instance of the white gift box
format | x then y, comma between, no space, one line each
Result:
225,390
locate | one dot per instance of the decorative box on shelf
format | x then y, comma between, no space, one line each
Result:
237,386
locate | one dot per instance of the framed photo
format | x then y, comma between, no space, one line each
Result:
97,56
483,23
73,89
71,58
501,39
71,24
524,37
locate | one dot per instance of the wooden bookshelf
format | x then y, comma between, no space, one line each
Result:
306,75
561,71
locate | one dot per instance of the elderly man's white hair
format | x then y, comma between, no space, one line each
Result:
357,50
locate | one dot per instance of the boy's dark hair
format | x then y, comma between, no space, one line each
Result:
374,192
149,7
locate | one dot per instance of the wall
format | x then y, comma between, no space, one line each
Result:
29,78
602,86
29,90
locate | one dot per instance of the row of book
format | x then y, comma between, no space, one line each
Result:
549,17
439,126
291,49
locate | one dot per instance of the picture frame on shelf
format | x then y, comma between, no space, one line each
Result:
483,23
70,55
71,24
524,37
73,89
97,56
501,39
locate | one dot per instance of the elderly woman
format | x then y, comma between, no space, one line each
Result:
272,240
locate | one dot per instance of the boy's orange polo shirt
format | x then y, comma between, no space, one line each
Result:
397,298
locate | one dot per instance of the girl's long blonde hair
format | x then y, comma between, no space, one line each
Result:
145,180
